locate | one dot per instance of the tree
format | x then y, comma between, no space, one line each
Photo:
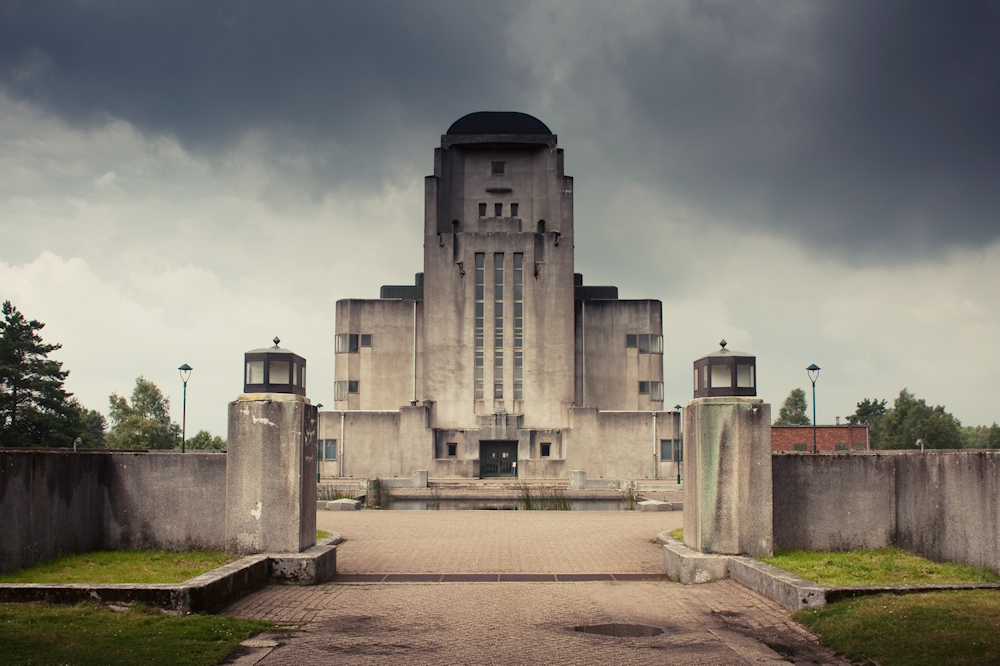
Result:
911,419
793,410
35,409
982,437
145,424
204,440
870,413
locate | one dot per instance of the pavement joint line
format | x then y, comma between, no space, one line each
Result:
492,577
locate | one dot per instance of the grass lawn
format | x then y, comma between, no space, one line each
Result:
882,566
85,634
955,627
121,566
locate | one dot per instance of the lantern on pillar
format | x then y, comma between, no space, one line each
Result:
725,373
274,370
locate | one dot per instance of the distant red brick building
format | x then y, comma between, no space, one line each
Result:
828,438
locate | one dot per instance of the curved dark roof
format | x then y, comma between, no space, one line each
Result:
498,122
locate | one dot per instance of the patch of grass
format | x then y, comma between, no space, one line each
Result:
679,535
321,534
956,627
883,566
554,500
327,492
379,494
121,566
89,634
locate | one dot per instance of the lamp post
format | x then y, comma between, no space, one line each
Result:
679,447
813,372
319,442
185,371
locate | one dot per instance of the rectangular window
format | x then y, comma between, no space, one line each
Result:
366,339
656,391
329,449
347,343
858,447
546,449
498,299
840,447
452,449
631,341
352,386
498,210
798,447
646,343
666,449
340,390
279,373
255,372
479,375
498,375
722,376
513,210
518,375
643,388
482,209
497,168
744,376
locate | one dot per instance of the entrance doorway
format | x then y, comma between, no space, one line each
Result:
497,459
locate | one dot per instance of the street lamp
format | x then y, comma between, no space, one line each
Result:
319,442
679,447
813,372
185,371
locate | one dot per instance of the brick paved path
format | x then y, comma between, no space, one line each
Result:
518,623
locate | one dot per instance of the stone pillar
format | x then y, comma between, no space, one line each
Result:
727,476
271,474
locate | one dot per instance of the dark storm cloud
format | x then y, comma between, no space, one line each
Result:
351,78
868,125
871,126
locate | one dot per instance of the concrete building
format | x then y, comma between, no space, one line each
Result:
498,360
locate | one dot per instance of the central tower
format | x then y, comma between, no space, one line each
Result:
498,273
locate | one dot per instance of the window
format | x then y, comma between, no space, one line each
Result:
347,343
498,299
513,210
329,449
482,209
643,388
255,372
497,168
498,210
646,343
452,449
858,447
656,391
666,449
840,447
546,449
342,389
366,339
498,375
798,447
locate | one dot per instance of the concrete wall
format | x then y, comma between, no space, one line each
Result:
944,505
615,445
165,501
384,444
833,502
63,502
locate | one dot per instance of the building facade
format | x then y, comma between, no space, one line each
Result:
498,360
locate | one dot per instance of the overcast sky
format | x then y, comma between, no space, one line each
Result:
815,182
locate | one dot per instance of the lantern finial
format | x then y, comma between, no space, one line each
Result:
723,343
276,340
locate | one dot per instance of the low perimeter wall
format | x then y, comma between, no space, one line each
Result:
943,505
64,502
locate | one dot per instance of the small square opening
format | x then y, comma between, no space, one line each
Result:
546,449
452,449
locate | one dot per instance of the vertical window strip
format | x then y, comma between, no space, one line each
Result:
479,333
498,285
518,325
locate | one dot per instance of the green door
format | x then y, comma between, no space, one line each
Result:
497,459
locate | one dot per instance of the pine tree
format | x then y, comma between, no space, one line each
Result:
35,409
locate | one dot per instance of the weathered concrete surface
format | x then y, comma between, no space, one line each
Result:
342,504
834,502
310,567
689,566
65,502
50,502
165,501
654,505
271,476
944,505
727,476
789,590
948,506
